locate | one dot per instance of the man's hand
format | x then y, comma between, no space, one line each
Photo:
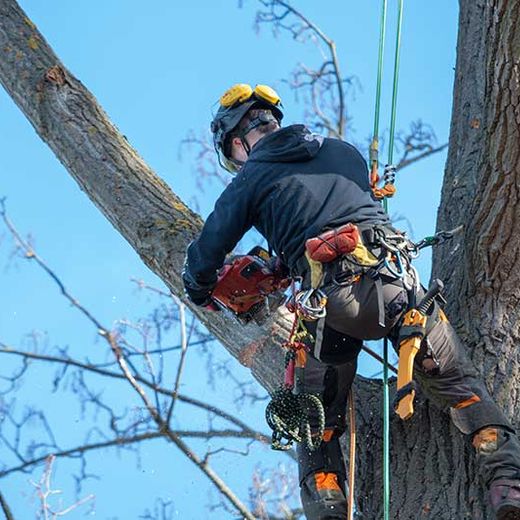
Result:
198,293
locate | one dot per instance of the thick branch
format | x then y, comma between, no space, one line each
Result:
139,204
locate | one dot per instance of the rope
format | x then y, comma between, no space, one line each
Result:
352,455
386,435
374,147
287,414
386,397
382,193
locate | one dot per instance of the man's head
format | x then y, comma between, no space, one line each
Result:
243,118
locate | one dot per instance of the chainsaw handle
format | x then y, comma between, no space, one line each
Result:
427,301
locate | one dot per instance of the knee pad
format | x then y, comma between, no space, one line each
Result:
498,453
474,415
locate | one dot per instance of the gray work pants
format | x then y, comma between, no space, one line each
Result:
443,370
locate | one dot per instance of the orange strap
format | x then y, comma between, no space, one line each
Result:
326,481
388,190
467,402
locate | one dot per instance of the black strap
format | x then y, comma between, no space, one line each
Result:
403,392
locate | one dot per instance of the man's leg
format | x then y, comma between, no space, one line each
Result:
322,471
447,376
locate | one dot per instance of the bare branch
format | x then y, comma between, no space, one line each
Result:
184,343
248,432
417,143
5,508
327,80
211,474
112,340
403,163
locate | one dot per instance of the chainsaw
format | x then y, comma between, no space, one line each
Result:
250,286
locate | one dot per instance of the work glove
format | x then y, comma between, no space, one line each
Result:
199,293
278,268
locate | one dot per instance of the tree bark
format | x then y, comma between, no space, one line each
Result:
432,465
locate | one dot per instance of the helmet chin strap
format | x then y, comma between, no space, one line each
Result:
263,118
245,145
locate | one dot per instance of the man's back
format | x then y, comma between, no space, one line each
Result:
294,185
301,184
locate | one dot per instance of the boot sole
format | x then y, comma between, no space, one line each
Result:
509,513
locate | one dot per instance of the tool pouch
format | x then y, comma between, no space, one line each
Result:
333,243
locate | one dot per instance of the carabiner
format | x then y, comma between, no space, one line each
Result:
400,272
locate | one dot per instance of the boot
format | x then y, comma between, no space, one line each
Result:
505,498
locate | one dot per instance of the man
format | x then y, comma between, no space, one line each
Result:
293,186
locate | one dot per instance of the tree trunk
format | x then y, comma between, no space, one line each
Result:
432,466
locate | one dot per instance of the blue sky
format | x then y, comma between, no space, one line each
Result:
157,69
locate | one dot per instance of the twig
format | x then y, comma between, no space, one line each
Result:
184,343
45,491
403,163
5,508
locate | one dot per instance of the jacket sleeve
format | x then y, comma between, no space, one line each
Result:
231,218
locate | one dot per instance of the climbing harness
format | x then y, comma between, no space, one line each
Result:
288,412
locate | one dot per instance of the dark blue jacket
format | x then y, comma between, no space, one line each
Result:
293,185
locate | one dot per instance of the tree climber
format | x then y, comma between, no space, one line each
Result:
293,186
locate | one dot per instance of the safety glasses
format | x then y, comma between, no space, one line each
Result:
242,92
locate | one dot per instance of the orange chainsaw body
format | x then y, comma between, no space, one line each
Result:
245,282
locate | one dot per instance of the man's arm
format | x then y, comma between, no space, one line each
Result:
225,226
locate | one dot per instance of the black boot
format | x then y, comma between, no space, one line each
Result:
505,498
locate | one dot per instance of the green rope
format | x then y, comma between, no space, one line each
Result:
380,69
386,434
386,396
374,159
396,82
